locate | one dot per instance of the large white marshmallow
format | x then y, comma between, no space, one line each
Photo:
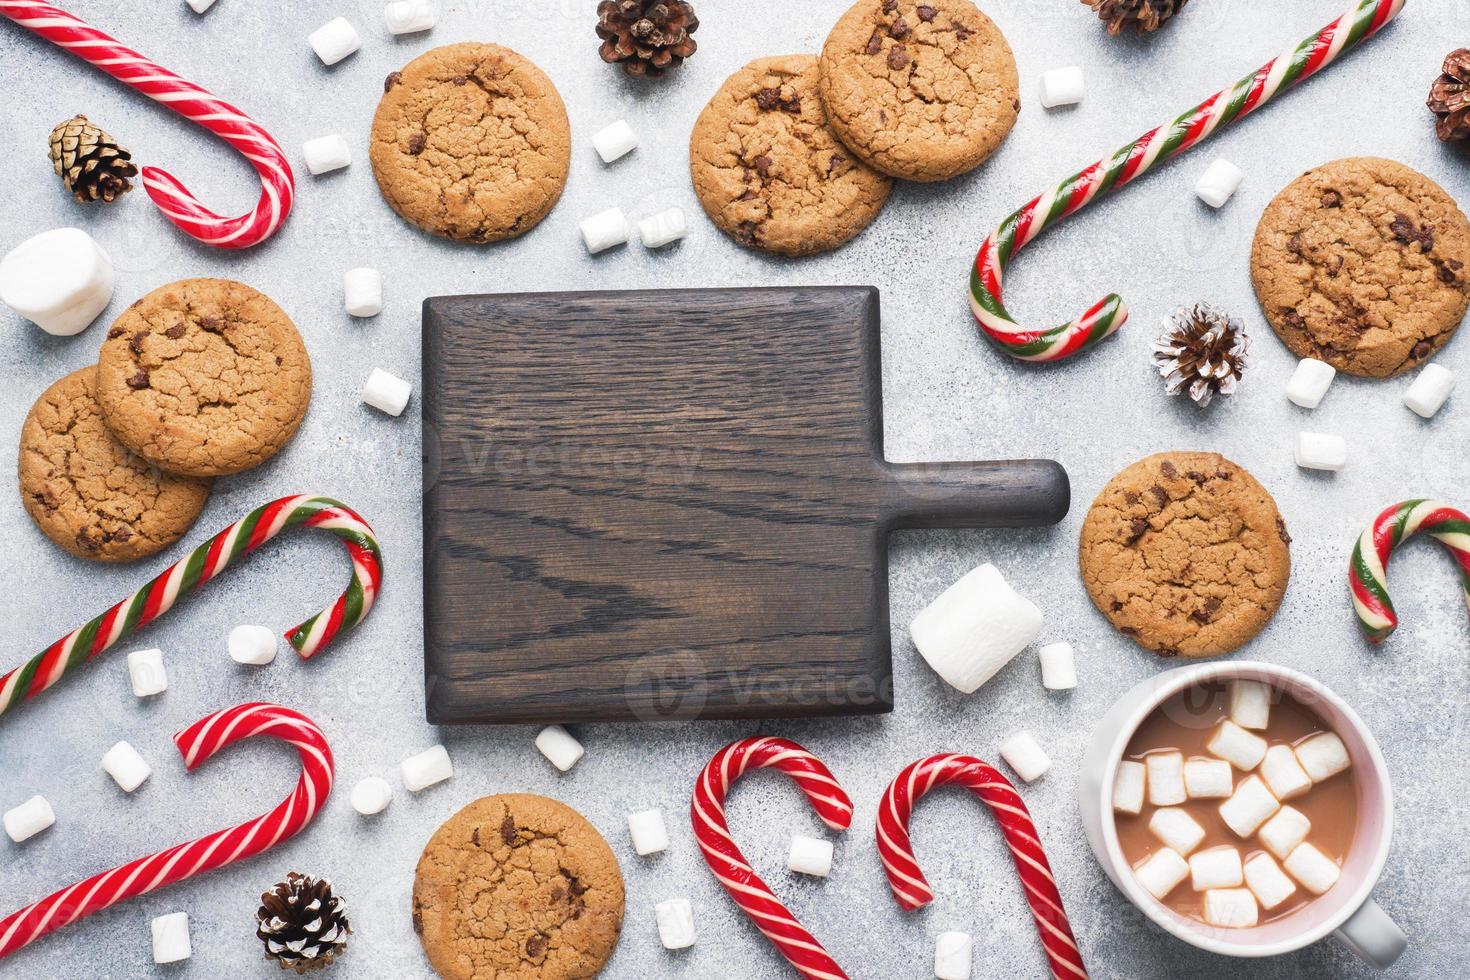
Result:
1283,774
1231,908
127,768
1323,756
1062,86
648,832
1215,867
334,40
1250,704
430,766
254,645
1321,451
409,16
1161,872
386,392
362,292
1430,390
146,673
1176,829
614,140
1208,779
1235,745
1251,805
604,229
810,856
29,819
675,919
1282,833
1219,182
326,153
1266,880
1026,756
372,795
954,954
1309,382
171,938
1315,871
975,628
559,747
658,230
1128,787
1165,778
59,280
1058,666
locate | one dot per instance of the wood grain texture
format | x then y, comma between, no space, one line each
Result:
672,505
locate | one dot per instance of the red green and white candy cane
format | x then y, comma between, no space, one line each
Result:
1367,574
1362,21
202,565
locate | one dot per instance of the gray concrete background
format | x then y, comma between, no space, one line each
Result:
948,396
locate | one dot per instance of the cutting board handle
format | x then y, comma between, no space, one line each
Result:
998,493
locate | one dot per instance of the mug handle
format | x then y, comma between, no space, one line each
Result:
1371,934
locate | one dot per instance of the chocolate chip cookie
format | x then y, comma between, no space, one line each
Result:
768,170
87,492
1186,554
517,886
921,91
471,142
204,377
1362,263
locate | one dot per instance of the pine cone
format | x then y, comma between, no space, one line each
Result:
1144,15
1449,98
647,36
1202,350
89,162
303,925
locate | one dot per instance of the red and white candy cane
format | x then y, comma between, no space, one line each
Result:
197,743
1361,22
995,791
1368,573
730,868
278,188
202,565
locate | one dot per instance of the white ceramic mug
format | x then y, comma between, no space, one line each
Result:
1345,909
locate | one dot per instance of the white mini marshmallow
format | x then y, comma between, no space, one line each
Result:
1219,182
658,230
1430,390
430,766
614,141
1128,787
1026,756
1315,871
59,280
145,671
372,795
326,153
1250,704
409,16
1061,86
675,919
334,40
1176,829
29,819
1058,666
1323,756
954,954
254,645
604,230
1162,872
557,744
386,392
1282,833
1266,880
810,856
1165,778
1237,746
1231,908
200,6
1309,382
1283,773
1215,867
1320,451
362,291
1208,779
648,832
171,938
1251,805
127,768
975,628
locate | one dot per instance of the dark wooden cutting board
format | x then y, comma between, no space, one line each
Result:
672,505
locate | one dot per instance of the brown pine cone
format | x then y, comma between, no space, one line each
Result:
647,37
90,163
303,925
1449,98
1202,351
1143,15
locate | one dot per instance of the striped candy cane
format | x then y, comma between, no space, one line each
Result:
197,744
731,869
1368,573
194,104
200,566
908,882
1076,192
